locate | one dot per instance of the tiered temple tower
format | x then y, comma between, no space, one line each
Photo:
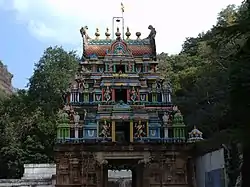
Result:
119,114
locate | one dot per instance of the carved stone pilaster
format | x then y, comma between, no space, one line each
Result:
63,166
74,172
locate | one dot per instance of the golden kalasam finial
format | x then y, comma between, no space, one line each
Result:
107,34
118,34
97,34
138,34
128,34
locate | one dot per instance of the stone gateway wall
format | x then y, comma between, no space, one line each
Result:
43,175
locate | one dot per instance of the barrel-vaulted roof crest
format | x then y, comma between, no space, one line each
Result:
101,47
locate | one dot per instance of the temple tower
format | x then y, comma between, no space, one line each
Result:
119,114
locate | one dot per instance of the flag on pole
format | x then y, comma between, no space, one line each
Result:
122,7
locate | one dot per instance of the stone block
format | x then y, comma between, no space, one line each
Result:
39,171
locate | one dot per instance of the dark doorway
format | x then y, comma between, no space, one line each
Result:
122,131
120,69
121,95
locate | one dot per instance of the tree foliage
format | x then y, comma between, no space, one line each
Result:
27,123
212,81
51,78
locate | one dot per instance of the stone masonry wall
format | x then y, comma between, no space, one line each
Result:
42,175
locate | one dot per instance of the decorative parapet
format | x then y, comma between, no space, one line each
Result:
195,135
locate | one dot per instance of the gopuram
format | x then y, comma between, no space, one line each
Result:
119,115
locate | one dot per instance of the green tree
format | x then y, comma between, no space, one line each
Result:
31,112
51,78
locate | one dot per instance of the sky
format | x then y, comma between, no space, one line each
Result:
28,27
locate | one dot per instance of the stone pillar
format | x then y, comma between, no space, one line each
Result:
166,132
77,97
94,68
71,97
102,94
131,131
154,97
113,131
169,98
76,132
147,128
59,134
128,95
67,132
113,95
86,97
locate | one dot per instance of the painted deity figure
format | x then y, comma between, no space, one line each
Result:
107,94
71,113
167,86
154,85
133,94
166,122
158,84
81,84
105,132
139,130
152,70
130,67
110,67
85,114
86,85
165,119
76,118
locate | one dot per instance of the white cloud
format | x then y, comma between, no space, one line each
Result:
58,21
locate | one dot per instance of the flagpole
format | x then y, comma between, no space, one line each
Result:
122,9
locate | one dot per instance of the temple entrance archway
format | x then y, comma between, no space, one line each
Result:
122,173
119,178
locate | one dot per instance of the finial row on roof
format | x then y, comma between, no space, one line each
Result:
118,34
